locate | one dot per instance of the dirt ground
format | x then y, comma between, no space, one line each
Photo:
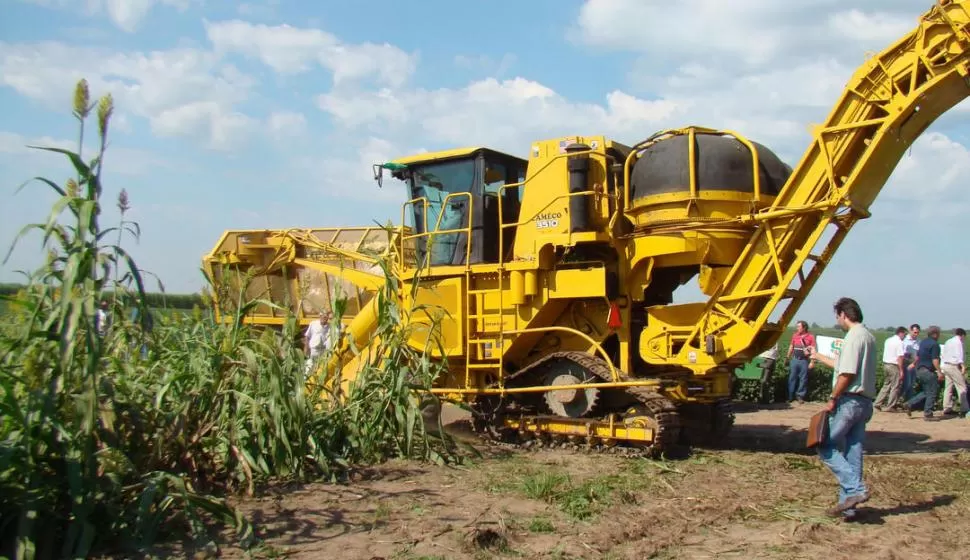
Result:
760,495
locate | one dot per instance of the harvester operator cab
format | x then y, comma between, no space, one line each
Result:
442,189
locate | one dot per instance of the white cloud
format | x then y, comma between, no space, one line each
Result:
930,180
165,87
505,114
257,10
337,176
123,160
224,129
193,92
127,15
743,32
763,68
877,29
291,50
487,64
20,146
286,124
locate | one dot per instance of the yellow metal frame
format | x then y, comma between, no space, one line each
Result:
887,104
586,429
285,242
522,184
499,340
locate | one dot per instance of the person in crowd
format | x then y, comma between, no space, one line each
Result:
101,319
849,406
768,359
145,325
954,373
799,363
927,373
910,345
316,339
894,368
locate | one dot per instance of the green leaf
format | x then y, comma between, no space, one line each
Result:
80,167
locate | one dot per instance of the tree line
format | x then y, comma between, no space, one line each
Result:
153,299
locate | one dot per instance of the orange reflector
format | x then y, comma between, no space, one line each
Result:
614,320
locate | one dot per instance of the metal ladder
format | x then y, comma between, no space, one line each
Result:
485,345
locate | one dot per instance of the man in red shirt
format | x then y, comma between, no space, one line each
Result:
799,362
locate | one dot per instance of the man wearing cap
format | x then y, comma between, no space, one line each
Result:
954,372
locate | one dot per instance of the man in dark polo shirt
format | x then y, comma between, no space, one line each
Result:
928,373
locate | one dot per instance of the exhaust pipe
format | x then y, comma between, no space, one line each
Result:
578,172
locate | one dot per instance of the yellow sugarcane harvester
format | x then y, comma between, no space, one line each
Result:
557,270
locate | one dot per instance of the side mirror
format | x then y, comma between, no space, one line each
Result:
379,174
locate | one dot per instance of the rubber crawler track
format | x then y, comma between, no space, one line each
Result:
660,408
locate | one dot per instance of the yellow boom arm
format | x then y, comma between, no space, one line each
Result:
886,105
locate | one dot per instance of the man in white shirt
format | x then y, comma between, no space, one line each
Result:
892,364
954,372
101,319
910,346
316,340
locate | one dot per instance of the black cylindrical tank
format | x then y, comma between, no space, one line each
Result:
723,164
578,205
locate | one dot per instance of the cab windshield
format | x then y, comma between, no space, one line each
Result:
434,182
481,175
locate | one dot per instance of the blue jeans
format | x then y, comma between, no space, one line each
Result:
797,378
842,450
908,381
930,386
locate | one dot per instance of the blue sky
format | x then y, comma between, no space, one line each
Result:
269,113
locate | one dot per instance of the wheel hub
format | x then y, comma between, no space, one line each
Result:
572,403
565,396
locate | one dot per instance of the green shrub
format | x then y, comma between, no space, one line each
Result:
104,449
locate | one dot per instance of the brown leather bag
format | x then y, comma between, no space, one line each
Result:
818,428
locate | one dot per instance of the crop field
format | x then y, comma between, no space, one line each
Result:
760,495
191,438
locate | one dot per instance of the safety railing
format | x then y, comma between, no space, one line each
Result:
691,132
467,230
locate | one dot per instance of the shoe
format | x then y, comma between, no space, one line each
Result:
834,512
949,412
852,501
850,517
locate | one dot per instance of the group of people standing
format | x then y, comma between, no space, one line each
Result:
915,370
907,360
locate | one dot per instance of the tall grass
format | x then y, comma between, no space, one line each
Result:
102,449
